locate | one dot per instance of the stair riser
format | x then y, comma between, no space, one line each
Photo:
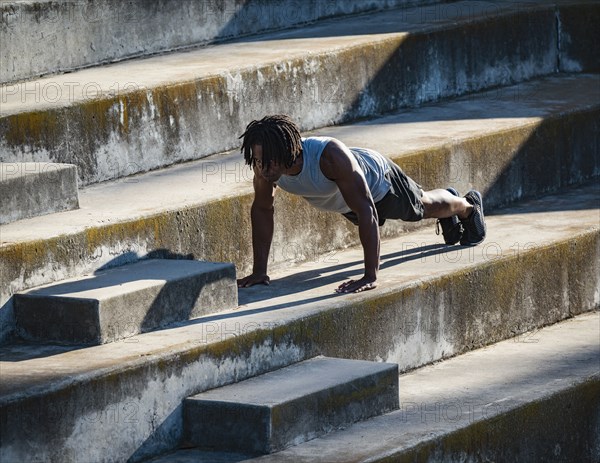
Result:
81,34
578,49
563,427
412,326
145,129
28,190
505,167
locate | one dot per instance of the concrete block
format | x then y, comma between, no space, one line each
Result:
292,405
30,189
83,34
141,115
117,303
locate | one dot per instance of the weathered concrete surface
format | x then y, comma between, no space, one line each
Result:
121,302
539,265
291,405
140,115
41,37
511,143
31,189
531,398
579,38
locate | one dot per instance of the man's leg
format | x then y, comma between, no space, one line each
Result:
440,204
407,201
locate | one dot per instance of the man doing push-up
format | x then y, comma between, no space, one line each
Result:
363,185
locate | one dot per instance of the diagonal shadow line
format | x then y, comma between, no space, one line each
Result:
289,284
306,280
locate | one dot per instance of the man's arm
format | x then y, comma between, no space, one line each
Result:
338,164
261,215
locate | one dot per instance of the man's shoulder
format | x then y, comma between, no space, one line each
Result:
316,141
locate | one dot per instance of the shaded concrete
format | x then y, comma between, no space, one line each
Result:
539,265
291,405
579,36
135,116
510,143
31,189
121,302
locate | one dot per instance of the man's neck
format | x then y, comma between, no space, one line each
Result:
296,167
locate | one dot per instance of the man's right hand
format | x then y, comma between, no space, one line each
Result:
254,279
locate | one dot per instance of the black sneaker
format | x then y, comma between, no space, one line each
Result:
474,226
452,229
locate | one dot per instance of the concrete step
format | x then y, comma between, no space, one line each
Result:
118,303
291,405
510,143
123,401
31,189
531,398
81,34
143,114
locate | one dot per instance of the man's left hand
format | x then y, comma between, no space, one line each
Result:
352,286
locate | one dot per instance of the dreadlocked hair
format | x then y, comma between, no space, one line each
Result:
279,137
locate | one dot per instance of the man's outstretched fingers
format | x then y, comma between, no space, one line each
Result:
356,286
341,288
362,288
252,280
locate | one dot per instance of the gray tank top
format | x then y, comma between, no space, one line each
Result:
323,193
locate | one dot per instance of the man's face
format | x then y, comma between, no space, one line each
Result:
270,174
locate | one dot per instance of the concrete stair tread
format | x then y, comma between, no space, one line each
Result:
440,399
302,291
177,67
284,407
421,129
109,283
293,382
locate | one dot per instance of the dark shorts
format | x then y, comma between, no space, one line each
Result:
402,202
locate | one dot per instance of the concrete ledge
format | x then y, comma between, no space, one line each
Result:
82,34
132,117
540,265
31,189
511,143
117,303
291,405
